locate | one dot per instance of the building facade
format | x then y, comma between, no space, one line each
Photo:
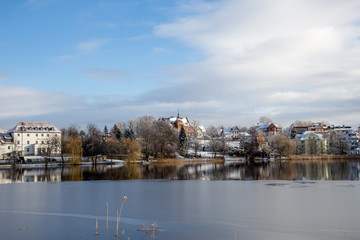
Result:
179,122
30,138
311,143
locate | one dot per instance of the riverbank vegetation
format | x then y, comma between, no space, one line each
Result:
166,140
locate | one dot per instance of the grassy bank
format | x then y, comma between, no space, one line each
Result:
325,157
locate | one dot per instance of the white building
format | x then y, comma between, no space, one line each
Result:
30,138
230,133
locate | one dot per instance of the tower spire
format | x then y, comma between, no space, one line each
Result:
178,116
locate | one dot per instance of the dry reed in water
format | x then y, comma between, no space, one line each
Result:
96,227
118,215
107,215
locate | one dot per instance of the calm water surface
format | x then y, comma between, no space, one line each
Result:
293,202
182,209
291,170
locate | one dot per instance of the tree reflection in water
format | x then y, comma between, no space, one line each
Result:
290,170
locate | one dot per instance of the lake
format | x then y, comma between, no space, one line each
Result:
293,202
290,170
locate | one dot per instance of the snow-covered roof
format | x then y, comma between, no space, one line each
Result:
34,127
227,131
201,128
244,134
307,133
266,125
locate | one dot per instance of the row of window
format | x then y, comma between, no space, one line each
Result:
48,135
37,142
28,149
37,128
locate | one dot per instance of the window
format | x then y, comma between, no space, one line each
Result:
18,142
28,135
37,135
27,149
28,142
18,134
37,142
48,135
42,142
9,147
42,134
55,134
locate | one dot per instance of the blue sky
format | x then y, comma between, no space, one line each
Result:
221,62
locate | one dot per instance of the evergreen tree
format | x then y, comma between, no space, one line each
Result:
116,132
293,133
182,142
129,133
106,132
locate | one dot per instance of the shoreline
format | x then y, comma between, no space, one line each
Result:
181,161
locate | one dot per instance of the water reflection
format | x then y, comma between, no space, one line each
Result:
291,170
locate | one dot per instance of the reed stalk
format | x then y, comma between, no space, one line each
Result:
118,215
107,215
96,227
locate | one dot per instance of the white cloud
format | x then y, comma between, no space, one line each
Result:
3,75
91,45
21,102
159,49
272,56
107,75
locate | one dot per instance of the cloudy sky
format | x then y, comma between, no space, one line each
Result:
222,62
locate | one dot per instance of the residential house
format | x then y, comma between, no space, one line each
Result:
30,138
178,122
340,128
230,133
314,127
311,143
269,128
352,138
318,128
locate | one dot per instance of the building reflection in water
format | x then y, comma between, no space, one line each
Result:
291,170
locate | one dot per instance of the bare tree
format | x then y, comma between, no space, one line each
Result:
165,140
300,147
197,146
264,119
282,146
93,143
213,134
144,132
313,148
113,145
300,123
337,143
52,145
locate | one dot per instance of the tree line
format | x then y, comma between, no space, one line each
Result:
143,137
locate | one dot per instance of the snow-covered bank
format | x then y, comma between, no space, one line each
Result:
67,163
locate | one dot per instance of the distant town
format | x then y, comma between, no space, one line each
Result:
149,138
